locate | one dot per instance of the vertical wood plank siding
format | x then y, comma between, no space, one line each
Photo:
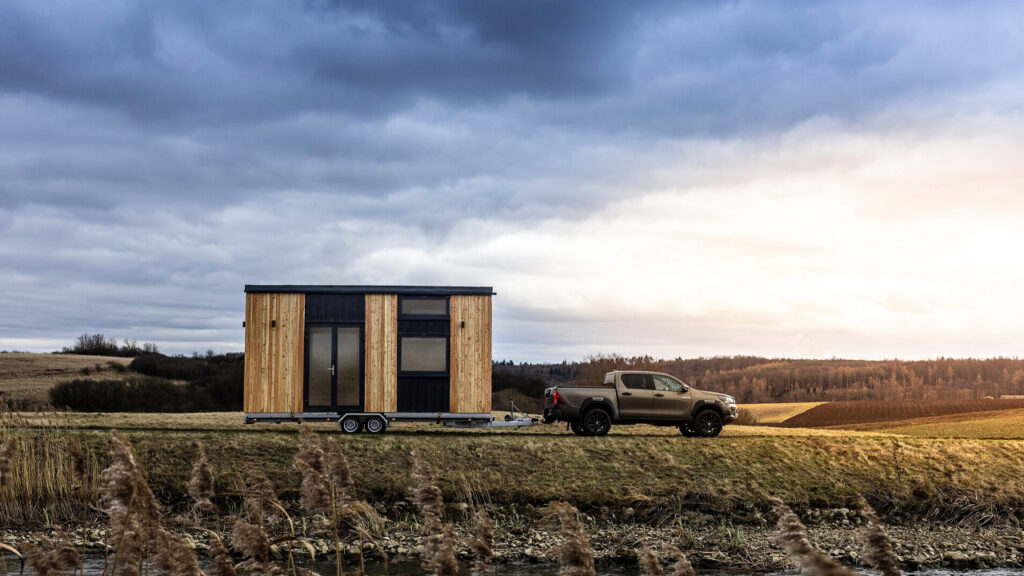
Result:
274,355
470,362
381,380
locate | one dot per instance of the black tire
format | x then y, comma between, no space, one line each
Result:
708,424
351,425
596,422
687,430
577,429
376,425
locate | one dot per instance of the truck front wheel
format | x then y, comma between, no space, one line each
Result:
708,424
596,422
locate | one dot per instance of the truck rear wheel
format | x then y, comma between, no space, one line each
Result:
577,429
687,430
708,424
596,422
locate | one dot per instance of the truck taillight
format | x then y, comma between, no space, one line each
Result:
556,398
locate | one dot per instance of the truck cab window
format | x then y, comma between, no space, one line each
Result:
666,384
635,381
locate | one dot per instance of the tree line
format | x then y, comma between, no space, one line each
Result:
752,379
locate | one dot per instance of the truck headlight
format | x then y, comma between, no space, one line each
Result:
727,399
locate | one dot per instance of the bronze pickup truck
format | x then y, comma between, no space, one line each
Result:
639,397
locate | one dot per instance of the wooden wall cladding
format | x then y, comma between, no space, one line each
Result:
274,353
470,362
381,365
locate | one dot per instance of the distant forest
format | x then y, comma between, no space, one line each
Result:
752,379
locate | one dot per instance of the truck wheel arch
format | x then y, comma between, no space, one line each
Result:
701,405
602,403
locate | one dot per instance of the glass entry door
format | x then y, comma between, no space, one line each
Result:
334,369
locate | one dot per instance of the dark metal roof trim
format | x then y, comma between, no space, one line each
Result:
403,290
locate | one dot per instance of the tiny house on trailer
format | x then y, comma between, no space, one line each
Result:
367,356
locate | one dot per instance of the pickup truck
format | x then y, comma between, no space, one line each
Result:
635,397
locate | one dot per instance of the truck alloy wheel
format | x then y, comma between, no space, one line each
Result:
708,424
687,430
597,422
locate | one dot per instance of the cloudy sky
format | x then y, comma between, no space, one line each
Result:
798,179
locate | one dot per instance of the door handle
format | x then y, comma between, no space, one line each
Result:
332,369
627,393
660,395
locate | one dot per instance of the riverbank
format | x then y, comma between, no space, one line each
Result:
659,476
709,547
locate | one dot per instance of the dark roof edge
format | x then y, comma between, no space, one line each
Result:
402,290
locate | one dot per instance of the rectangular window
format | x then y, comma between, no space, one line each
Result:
636,381
424,307
424,354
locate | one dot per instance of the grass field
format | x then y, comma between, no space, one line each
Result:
29,377
1000,424
963,467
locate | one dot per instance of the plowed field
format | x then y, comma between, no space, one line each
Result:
848,413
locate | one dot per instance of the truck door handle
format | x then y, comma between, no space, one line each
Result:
627,393
660,395
332,370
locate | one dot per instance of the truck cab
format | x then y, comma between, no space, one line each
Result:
635,397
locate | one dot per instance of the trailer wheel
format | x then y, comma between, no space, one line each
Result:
708,424
376,425
351,425
597,422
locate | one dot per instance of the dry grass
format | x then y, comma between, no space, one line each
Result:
776,413
1004,424
29,377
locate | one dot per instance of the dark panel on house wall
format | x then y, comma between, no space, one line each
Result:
335,308
423,394
407,327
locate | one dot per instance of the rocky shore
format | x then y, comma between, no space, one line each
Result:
749,547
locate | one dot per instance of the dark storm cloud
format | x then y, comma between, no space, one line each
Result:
166,153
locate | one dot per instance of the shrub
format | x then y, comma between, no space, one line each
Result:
134,395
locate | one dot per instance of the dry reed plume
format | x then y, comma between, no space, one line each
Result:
136,534
260,500
649,562
222,564
252,541
52,557
792,536
309,461
441,543
483,543
682,566
878,550
200,485
7,452
574,553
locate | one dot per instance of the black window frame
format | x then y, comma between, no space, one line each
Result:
648,382
432,373
447,308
